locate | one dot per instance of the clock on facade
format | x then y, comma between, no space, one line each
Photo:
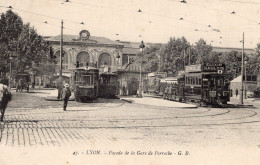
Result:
84,35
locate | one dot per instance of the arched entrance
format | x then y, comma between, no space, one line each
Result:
133,86
83,59
104,59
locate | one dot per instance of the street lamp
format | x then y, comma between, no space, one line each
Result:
10,71
141,46
246,59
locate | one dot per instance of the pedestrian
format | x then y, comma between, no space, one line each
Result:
236,92
33,84
165,93
124,90
5,97
66,93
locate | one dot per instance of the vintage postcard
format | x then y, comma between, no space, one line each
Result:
127,82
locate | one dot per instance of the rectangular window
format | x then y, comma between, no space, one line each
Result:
125,59
86,80
254,78
248,78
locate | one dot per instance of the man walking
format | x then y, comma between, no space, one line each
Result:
66,93
5,97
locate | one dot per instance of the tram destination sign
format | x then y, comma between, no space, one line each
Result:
214,68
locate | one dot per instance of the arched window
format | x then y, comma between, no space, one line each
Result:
104,59
64,59
83,59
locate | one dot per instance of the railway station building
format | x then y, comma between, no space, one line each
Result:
107,55
111,57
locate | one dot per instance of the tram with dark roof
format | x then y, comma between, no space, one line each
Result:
85,83
206,84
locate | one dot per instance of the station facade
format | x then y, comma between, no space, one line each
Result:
107,55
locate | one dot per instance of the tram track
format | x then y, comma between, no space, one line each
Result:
47,112
134,119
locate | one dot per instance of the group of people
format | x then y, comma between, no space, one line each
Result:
168,92
20,85
5,97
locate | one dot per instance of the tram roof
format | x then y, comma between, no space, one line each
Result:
87,68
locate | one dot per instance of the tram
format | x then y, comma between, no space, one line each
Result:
203,84
108,86
85,83
206,84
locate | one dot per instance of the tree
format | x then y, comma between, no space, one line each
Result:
232,61
150,58
22,41
204,52
10,28
172,55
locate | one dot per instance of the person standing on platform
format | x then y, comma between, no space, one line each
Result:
66,93
236,92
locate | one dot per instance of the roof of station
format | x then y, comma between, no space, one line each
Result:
75,38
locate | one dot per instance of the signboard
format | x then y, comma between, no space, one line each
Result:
214,68
193,68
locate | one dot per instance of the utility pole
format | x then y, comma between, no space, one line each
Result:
242,72
184,60
10,74
61,49
189,55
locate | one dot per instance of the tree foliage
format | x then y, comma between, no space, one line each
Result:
172,55
22,42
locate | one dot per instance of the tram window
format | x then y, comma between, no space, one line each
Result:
254,78
199,81
248,78
86,80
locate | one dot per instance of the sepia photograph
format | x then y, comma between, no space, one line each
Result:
127,82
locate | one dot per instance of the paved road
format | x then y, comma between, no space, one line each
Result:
32,121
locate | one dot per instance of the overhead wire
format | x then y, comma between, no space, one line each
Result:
149,13
255,3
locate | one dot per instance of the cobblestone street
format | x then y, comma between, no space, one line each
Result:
31,121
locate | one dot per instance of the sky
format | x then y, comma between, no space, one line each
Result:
157,22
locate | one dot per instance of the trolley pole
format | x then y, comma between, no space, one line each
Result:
61,49
242,72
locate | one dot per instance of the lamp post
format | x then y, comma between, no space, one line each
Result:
246,59
10,74
242,72
141,46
